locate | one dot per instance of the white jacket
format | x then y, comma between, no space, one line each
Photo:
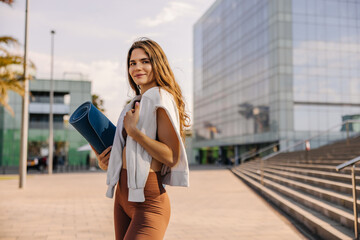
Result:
138,160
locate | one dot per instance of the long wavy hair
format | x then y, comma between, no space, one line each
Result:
164,76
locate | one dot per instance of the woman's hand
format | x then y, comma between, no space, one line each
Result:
103,158
131,119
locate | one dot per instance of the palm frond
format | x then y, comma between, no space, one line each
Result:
3,51
5,87
9,60
7,40
11,84
11,76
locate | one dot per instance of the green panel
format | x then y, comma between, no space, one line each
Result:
215,152
38,135
10,126
204,157
77,158
11,148
60,135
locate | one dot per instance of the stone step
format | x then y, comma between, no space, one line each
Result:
318,167
322,182
312,161
336,176
328,195
341,154
315,222
332,211
314,157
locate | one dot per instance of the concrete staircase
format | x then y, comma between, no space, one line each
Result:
307,188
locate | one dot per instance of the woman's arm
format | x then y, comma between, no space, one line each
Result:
167,149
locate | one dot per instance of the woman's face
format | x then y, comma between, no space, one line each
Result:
140,69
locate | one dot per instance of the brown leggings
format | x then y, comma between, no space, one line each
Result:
141,220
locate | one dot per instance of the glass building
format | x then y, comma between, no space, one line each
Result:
270,72
68,95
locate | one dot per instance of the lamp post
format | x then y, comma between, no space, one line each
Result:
51,117
25,112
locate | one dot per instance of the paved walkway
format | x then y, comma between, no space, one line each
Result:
73,206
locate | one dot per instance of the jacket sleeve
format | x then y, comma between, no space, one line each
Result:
138,160
115,161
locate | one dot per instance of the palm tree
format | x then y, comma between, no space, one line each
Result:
11,77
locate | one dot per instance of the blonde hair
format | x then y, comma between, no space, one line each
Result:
164,77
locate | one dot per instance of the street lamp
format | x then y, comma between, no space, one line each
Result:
51,117
25,112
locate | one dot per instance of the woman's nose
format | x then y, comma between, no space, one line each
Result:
138,66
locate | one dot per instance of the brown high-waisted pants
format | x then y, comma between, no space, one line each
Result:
141,220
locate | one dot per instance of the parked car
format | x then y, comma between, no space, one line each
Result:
35,162
32,161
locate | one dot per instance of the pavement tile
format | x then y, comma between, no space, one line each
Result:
217,205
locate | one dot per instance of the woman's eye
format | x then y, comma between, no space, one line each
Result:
132,64
146,61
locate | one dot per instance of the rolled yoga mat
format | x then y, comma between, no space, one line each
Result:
94,126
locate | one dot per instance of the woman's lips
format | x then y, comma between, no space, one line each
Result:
139,75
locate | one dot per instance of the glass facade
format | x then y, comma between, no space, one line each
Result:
274,71
68,95
326,50
232,71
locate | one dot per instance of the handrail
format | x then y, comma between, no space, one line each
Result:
352,163
252,154
338,168
315,136
348,163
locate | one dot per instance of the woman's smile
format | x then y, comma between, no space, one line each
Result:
139,75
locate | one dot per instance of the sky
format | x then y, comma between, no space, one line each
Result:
92,38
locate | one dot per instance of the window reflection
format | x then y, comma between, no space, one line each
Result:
238,73
325,35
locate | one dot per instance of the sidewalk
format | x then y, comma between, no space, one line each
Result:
72,206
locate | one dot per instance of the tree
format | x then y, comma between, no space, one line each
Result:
11,74
98,102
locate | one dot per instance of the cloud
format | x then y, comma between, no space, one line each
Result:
326,53
108,78
333,71
168,14
150,35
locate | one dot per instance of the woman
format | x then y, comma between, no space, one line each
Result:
148,149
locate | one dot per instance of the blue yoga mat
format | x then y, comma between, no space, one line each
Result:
94,126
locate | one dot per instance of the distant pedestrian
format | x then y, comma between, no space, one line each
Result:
148,149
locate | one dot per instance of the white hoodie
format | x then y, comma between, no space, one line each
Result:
138,160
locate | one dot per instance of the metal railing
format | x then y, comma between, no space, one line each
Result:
271,155
352,163
249,154
347,122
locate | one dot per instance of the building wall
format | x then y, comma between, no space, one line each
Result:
326,50
237,70
275,71
10,132
67,136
